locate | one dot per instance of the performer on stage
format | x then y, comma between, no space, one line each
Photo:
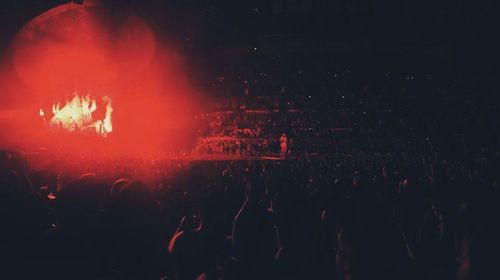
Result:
283,145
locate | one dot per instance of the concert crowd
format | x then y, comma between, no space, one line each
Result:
342,140
395,179
404,213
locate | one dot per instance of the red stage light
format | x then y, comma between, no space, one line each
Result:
77,115
93,51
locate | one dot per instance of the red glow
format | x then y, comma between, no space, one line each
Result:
89,50
78,115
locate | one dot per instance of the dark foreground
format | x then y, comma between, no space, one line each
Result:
392,216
